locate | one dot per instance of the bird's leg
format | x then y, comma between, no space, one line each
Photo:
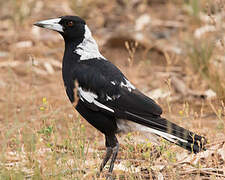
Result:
114,155
109,152
112,150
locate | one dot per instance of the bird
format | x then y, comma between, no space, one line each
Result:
103,96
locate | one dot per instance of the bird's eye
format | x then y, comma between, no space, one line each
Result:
70,23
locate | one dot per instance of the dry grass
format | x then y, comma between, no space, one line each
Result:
43,137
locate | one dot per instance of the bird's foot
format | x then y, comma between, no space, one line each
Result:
106,175
109,176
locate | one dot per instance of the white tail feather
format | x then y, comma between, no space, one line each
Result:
129,126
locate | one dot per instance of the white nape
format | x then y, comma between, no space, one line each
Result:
88,48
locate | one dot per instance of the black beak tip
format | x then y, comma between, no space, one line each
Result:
38,24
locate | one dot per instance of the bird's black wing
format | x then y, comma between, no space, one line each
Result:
103,87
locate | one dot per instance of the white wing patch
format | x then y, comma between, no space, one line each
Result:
108,98
91,98
128,85
88,48
113,83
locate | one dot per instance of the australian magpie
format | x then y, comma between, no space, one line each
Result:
105,97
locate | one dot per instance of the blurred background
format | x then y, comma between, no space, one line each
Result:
172,50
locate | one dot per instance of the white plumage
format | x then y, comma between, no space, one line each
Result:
88,48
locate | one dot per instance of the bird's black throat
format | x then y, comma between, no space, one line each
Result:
70,62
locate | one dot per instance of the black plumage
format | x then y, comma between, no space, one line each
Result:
104,96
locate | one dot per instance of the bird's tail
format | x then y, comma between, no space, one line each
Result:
171,132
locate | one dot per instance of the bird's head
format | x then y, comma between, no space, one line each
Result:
75,32
70,27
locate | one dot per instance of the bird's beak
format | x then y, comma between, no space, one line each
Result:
52,24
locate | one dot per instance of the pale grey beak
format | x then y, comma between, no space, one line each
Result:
52,24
